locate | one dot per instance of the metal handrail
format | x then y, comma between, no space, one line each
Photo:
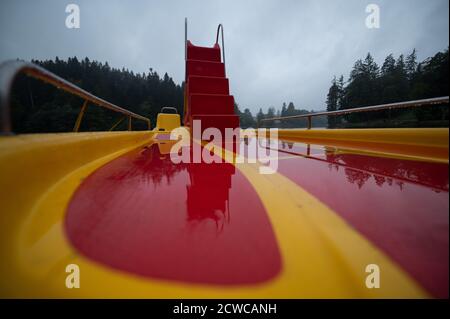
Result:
185,74
117,123
390,106
220,27
185,38
169,108
11,69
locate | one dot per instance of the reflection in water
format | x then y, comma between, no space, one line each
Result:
150,166
144,214
357,177
207,192
400,205
360,168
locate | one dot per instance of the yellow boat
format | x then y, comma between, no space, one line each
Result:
344,213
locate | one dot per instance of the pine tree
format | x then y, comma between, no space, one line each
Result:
332,102
363,88
388,81
341,96
259,117
370,67
270,114
401,79
291,109
283,109
246,119
411,64
388,66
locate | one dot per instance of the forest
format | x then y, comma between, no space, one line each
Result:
39,107
398,79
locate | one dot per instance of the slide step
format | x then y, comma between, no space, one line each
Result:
211,104
203,53
208,85
205,68
221,122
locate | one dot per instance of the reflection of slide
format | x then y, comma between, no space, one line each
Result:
208,192
145,215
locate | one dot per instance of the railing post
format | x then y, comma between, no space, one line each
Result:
129,123
80,117
117,123
309,122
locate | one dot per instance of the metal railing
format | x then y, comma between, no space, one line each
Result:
219,28
169,110
185,74
185,37
11,69
390,106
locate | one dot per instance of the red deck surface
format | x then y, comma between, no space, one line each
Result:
191,222
142,213
399,205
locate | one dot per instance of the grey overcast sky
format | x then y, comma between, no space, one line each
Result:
276,50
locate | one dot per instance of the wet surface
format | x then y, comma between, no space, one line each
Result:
197,222
205,223
399,205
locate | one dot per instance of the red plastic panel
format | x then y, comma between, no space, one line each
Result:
208,90
211,104
205,68
400,205
221,122
202,53
208,85
188,222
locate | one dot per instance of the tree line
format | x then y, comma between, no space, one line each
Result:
40,107
398,79
248,120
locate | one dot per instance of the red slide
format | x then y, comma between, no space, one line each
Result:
207,90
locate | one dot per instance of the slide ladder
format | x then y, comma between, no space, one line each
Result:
207,93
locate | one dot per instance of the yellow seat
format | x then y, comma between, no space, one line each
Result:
166,122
